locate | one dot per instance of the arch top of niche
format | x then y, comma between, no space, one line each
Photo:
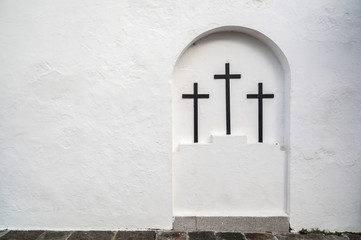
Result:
250,32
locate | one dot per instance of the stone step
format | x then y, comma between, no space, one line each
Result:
279,224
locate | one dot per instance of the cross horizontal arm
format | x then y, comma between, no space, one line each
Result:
195,96
268,95
235,76
187,95
203,95
231,76
217,76
252,95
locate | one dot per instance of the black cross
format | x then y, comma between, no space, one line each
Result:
260,97
195,97
227,77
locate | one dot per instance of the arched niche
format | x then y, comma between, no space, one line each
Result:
229,172
250,54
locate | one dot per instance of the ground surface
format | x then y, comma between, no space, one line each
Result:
166,235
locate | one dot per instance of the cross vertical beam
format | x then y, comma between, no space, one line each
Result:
227,76
195,96
260,97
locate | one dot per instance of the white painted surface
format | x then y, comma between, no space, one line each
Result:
229,178
85,108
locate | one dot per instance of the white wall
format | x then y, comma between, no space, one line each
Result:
85,108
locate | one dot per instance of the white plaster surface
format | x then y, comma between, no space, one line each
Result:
85,108
229,178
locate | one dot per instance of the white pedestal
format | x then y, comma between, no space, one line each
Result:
229,178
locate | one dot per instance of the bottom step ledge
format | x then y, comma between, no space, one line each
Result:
274,224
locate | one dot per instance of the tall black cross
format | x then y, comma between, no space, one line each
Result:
260,97
195,97
227,76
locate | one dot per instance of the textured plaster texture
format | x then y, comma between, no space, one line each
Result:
85,108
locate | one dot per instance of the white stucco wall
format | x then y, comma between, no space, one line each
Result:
85,108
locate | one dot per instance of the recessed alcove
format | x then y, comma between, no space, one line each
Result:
229,169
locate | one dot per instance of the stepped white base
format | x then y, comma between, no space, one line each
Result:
229,178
